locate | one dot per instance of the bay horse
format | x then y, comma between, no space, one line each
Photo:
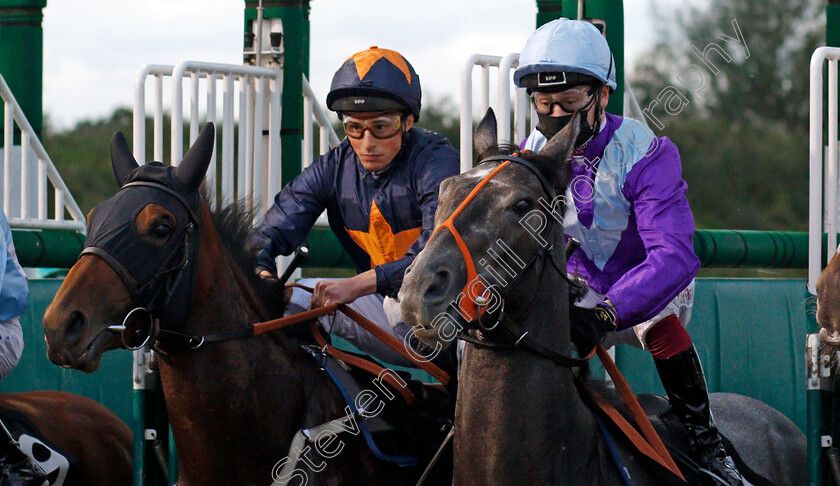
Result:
520,418
94,446
234,405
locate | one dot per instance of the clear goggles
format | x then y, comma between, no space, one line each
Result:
570,100
381,127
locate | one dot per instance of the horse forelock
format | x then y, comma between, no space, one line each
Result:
233,224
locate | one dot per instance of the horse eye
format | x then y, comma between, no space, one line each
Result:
162,231
522,207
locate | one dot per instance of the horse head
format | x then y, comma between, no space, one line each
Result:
135,269
828,301
493,225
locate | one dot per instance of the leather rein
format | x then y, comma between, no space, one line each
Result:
476,294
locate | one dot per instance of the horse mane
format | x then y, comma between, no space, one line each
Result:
234,223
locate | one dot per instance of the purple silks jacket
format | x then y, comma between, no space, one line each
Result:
631,215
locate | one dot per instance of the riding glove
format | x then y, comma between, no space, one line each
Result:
589,326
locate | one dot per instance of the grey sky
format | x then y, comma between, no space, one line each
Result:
93,48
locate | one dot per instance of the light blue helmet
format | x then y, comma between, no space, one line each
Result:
566,48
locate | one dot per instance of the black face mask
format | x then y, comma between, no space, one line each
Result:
550,126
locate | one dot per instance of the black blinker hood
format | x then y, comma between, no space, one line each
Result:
159,278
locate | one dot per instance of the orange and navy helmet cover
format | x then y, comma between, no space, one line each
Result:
375,80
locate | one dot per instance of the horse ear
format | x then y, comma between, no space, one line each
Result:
121,158
562,144
485,139
192,168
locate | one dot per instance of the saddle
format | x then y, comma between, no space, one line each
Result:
675,437
59,467
398,433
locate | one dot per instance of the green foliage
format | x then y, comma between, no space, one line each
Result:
743,135
750,176
83,158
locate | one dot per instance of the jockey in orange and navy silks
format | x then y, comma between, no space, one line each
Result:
379,187
626,204
381,219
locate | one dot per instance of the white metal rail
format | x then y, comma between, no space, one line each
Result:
250,165
327,137
26,179
822,218
505,65
255,91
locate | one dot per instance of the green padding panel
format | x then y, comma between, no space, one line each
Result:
750,334
110,384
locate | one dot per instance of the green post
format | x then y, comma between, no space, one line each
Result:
22,55
832,23
295,17
610,13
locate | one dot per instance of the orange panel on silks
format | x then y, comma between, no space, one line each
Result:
380,242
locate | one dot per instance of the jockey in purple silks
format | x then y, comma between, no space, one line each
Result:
626,204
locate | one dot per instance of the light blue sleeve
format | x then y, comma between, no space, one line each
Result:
14,289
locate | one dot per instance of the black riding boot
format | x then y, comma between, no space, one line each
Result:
683,380
17,468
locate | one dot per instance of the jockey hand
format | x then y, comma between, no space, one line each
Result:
589,326
269,276
328,292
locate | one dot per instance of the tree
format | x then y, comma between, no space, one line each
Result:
738,60
735,77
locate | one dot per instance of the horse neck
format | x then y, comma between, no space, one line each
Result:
226,395
505,395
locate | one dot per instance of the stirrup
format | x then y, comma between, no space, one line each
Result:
23,473
724,472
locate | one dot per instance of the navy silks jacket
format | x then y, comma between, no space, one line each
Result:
382,220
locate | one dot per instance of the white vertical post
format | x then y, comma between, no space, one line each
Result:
24,175
485,88
307,131
59,205
210,176
831,196
195,124
8,139
275,167
249,142
243,171
227,141
260,170
177,131
42,189
158,124
323,143
139,116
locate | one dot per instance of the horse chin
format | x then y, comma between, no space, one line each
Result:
90,358
830,338
431,338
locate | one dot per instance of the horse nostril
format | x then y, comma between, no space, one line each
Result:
75,324
439,286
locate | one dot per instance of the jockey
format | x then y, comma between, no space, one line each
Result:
379,187
626,204
14,296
